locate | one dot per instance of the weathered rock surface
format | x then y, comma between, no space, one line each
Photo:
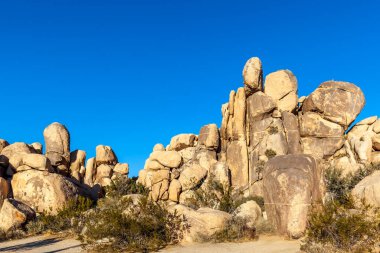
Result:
14,214
209,137
77,161
105,155
192,176
282,87
43,191
368,189
182,141
170,159
253,76
291,184
57,144
339,102
4,190
203,222
249,211
121,168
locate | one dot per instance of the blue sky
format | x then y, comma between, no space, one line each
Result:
130,74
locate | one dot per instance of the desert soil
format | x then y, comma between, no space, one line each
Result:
50,244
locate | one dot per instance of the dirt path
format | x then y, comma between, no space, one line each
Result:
269,244
50,244
42,244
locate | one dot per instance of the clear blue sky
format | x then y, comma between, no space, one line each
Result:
130,74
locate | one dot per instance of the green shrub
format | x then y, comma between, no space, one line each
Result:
146,227
339,228
273,130
66,218
123,185
235,230
270,153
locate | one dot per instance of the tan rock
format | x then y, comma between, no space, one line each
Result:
362,147
158,190
237,162
367,121
187,154
321,147
313,125
153,165
121,168
187,197
4,190
3,144
291,184
11,154
292,133
376,126
357,131
259,104
43,191
158,147
192,176
103,170
170,159
249,211
14,214
206,158
175,189
90,171
253,76
36,161
209,137
57,143
221,174
77,161
375,157
37,147
368,189
339,102
376,142
155,177
282,87
182,141
105,155
203,223
238,120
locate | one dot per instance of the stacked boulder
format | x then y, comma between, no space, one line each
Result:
271,144
32,182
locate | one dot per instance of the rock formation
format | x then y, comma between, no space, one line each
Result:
270,144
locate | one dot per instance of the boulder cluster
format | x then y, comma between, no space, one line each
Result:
272,144
32,182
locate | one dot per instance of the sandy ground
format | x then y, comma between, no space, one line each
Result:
49,244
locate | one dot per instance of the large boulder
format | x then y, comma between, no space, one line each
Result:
182,141
253,76
175,189
121,168
11,154
192,176
250,211
57,144
90,172
259,104
3,144
43,191
368,189
203,222
209,137
170,159
339,102
291,184
105,155
292,132
4,190
14,214
282,87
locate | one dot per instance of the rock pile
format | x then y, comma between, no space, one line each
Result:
270,144
33,182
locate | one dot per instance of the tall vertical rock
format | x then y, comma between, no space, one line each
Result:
253,76
57,143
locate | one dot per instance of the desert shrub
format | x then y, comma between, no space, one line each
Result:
146,227
12,234
340,228
235,230
270,153
66,219
122,185
273,130
339,186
